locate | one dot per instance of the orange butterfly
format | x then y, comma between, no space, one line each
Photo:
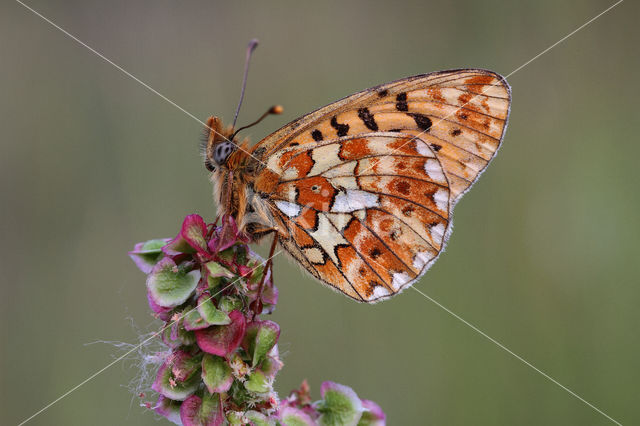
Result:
361,191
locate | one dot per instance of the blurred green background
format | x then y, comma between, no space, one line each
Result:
544,256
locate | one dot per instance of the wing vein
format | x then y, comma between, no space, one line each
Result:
387,247
327,257
359,254
424,100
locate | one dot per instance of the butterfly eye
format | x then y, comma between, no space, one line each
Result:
222,152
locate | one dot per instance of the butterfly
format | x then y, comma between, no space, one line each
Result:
361,192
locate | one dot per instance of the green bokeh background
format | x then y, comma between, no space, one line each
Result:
544,257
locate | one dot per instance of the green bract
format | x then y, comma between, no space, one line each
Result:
202,411
257,382
228,304
340,406
261,337
167,384
217,270
216,374
169,285
259,419
209,312
147,254
295,417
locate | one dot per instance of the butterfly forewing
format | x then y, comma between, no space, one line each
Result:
365,187
462,114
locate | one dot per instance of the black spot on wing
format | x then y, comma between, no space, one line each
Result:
342,129
401,102
317,135
368,119
374,284
375,253
422,121
436,147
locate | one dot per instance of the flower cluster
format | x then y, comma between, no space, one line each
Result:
209,288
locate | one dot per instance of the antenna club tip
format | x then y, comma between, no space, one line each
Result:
276,109
253,44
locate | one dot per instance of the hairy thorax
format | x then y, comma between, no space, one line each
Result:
240,194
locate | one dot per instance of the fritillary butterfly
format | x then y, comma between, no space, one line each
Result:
361,191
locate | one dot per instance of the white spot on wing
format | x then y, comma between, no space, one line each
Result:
327,237
273,162
400,279
433,169
354,199
346,182
290,209
421,259
380,291
423,148
437,232
290,173
324,157
441,198
340,220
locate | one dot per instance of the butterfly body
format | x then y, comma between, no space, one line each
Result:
361,192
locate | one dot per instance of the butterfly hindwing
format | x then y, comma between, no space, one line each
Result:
367,214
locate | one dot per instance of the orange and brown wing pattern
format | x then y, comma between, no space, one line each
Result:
365,186
366,214
461,114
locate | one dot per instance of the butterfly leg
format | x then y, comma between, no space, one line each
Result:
227,232
256,305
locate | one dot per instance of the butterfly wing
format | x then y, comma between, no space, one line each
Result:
462,114
365,186
366,214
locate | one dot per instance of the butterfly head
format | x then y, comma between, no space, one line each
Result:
219,144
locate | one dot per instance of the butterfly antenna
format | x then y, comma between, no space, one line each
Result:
250,48
276,109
